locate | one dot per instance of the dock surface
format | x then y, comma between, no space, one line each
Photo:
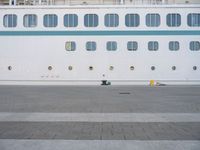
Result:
99,117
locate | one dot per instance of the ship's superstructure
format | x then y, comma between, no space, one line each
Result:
123,43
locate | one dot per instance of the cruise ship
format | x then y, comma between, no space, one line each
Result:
115,42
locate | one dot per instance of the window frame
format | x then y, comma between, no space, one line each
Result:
153,46
55,21
194,46
173,23
133,44
6,23
111,20
153,20
91,46
111,45
68,24
174,46
132,23
197,20
94,18
72,46
27,25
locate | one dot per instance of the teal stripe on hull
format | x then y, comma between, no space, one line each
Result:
99,33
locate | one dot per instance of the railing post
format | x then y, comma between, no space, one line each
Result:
12,2
121,2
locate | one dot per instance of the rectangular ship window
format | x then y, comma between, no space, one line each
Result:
91,20
173,20
132,20
91,46
153,46
70,46
111,20
70,20
10,20
111,46
132,46
173,45
194,45
50,20
153,20
30,20
193,20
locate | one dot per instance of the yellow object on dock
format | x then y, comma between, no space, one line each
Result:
152,82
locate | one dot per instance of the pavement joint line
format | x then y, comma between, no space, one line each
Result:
11,144
99,117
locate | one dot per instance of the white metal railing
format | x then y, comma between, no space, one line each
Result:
91,2
151,2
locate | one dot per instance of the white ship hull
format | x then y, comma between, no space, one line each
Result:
29,52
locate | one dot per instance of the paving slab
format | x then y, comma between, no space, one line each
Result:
97,145
100,99
100,131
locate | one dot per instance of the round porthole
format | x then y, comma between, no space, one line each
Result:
153,68
91,68
111,68
9,68
70,68
173,67
50,68
132,67
194,67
